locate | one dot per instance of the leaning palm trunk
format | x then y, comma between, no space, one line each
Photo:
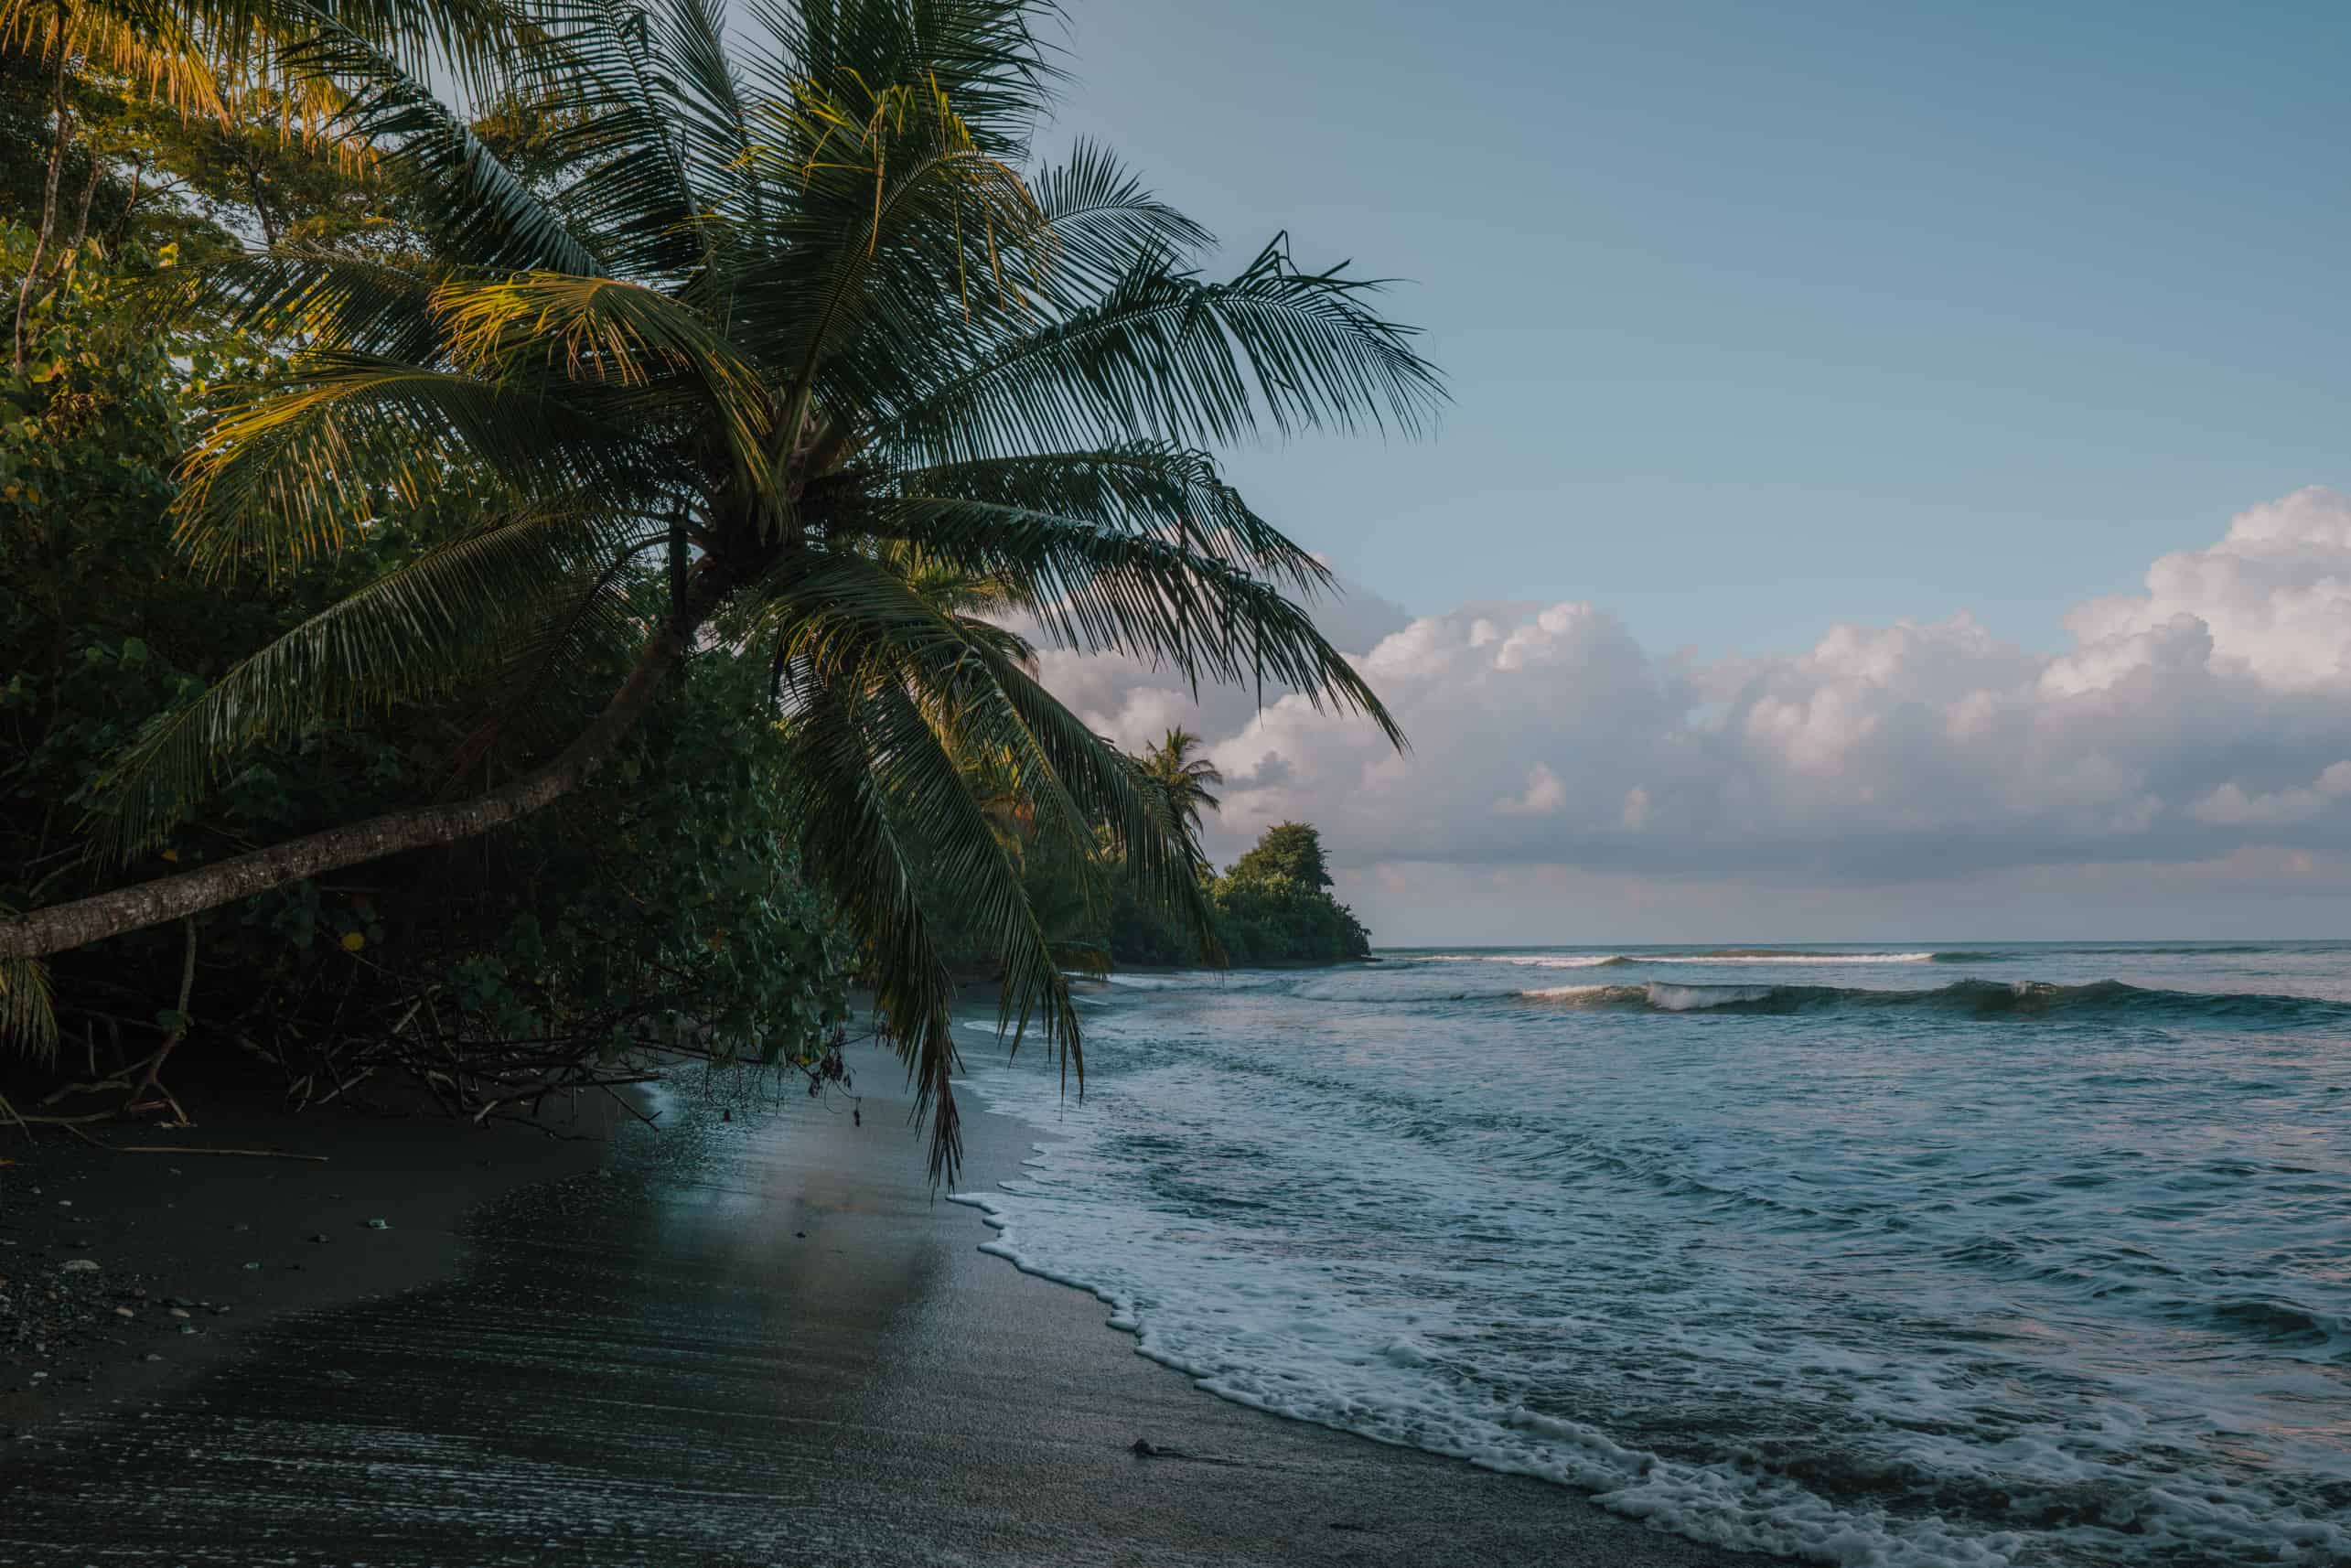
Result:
806,324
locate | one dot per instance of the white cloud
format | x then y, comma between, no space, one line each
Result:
2210,713
2231,806
1545,794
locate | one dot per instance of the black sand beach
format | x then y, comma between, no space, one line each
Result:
752,1341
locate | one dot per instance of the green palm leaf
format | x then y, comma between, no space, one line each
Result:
1164,356
292,471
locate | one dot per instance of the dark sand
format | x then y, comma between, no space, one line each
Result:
743,1342
182,1227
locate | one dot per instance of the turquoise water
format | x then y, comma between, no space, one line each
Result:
1963,1253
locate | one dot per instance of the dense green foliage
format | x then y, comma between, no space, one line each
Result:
1272,905
580,933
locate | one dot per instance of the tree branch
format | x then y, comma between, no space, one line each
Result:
64,108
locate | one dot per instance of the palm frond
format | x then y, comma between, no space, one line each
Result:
146,41
853,852
601,332
1104,785
430,627
1100,590
331,300
924,696
28,1011
1102,220
627,77
1148,488
483,214
297,466
985,56
899,213
1165,356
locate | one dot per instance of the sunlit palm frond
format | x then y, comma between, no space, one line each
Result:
149,42
294,469
899,216
609,334
987,57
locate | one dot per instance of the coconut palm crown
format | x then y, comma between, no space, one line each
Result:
1174,764
791,322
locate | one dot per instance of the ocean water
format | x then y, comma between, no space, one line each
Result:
1981,1255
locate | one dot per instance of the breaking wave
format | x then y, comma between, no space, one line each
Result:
1965,998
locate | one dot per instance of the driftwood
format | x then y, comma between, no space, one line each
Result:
141,1085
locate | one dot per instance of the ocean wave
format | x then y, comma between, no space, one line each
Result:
1200,980
1797,955
1783,955
1587,993
1712,955
1534,960
2277,1319
1967,998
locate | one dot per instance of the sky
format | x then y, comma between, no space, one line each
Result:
1878,498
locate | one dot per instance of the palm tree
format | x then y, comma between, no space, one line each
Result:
1183,777
766,324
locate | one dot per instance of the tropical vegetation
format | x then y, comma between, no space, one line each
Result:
514,544
1272,905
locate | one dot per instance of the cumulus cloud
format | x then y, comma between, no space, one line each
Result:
2209,713
1545,794
2229,806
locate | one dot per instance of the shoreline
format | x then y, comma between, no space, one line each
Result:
755,1341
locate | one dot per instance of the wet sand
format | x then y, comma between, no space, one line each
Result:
747,1342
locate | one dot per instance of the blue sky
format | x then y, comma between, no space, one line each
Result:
1888,484
1763,318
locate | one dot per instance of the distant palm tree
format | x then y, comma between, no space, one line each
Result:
1183,777
793,327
